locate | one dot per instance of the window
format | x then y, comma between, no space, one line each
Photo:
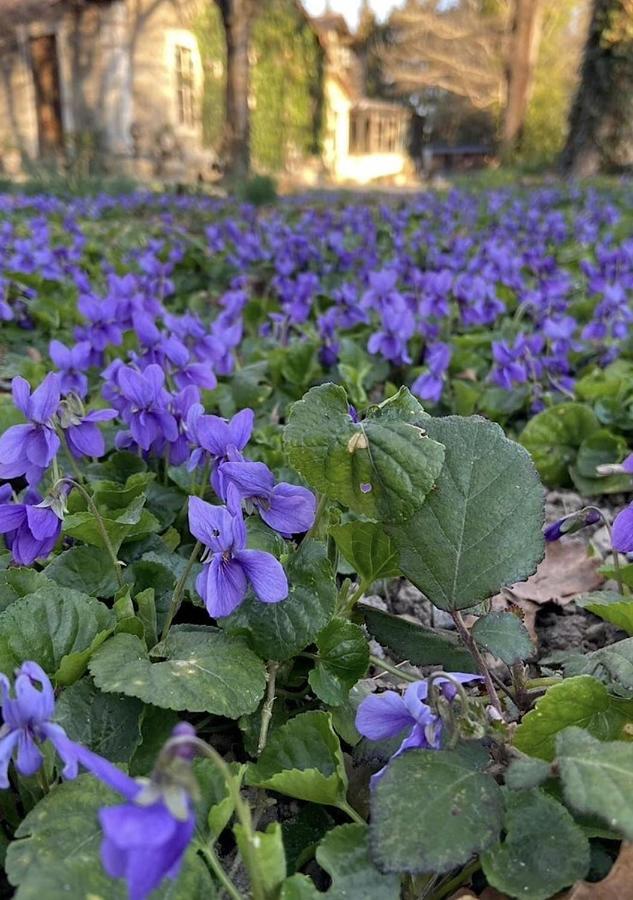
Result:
374,131
185,86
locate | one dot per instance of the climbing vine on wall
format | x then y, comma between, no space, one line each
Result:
286,83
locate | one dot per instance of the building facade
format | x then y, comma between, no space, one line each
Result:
121,79
128,83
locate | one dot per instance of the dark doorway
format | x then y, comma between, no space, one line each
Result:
47,94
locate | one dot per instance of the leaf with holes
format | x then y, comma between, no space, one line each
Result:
481,527
382,468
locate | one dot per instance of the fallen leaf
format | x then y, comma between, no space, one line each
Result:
618,885
565,572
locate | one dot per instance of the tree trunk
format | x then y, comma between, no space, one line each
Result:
601,121
237,17
523,50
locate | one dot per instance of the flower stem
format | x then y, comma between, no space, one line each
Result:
345,807
176,598
449,887
267,709
393,670
471,645
216,867
105,537
242,809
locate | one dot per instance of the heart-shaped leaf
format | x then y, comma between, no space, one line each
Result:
481,527
462,813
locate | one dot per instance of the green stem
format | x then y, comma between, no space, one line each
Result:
350,602
393,670
105,537
535,684
446,889
176,598
351,812
73,462
216,867
267,708
242,809
471,645
321,506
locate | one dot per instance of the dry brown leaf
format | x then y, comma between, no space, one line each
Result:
566,572
618,885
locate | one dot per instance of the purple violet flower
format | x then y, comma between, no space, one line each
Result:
288,508
622,530
30,529
383,716
571,524
229,566
81,429
218,441
146,411
145,838
26,723
73,363
30,449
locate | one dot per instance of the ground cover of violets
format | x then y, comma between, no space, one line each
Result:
224,432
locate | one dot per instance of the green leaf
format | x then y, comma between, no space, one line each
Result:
580,701
542,852
344,854
527,773
597,777
610,606
503,635
600,448
56,627
389,451
421,646
199,671
554,436
481,528
107,724
462,813
612,665
368,549
281,630
86,569
268,849
299,887
56,853
303,759
343,659
122,524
